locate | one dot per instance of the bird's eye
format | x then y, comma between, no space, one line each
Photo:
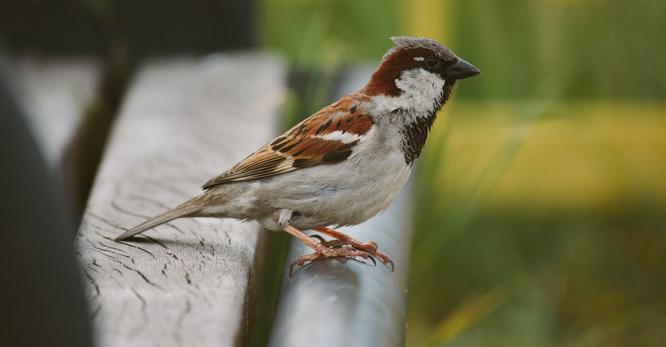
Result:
431,62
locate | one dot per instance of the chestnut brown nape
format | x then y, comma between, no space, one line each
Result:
382,81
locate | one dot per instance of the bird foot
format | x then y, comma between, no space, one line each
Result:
370,247
343,247
332,249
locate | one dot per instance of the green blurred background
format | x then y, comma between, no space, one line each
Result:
541,217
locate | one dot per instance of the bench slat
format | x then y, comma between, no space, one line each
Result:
335,303
187,282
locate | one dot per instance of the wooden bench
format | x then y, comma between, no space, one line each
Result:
188,282
194,281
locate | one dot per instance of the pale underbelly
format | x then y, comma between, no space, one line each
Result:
342,201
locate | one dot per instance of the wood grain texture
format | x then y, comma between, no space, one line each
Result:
185,283
55,94
346,303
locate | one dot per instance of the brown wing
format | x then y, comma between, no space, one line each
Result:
326,137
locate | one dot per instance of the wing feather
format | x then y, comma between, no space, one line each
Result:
328,136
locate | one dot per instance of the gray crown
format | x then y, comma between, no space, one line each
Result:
401,42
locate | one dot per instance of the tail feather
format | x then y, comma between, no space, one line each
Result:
184,210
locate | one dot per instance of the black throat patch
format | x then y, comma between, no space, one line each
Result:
415,133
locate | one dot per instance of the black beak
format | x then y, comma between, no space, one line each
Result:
461,69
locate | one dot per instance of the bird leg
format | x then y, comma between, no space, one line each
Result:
323,250
370,247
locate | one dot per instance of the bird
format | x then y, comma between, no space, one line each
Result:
342,165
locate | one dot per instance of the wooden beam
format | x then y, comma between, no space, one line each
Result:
346,303
187,282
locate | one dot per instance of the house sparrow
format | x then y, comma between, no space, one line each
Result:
342,165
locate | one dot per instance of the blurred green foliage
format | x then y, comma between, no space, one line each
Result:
560,220
541,214
316,33
589,49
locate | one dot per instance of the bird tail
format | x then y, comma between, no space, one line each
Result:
185,209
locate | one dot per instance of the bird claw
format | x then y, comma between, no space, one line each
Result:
374,262
321,239
387,263
385,260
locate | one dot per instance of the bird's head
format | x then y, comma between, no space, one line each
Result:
415,63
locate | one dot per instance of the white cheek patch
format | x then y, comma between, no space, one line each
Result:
419,58
421,93
340,136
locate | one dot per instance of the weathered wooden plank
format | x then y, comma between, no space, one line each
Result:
346,303
186,282
55,93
